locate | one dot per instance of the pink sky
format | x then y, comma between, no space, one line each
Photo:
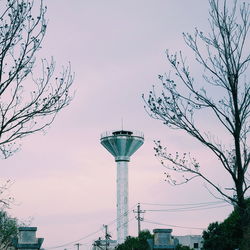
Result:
65,180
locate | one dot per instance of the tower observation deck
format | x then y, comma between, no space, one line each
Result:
122,144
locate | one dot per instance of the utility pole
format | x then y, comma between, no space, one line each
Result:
138,217
107,237
78,245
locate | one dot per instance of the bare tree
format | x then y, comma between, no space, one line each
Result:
27,103
224,55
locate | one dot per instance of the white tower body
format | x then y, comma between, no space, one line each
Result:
122,144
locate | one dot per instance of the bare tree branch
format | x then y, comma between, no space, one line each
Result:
27,103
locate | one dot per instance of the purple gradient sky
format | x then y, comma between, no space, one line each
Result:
65,180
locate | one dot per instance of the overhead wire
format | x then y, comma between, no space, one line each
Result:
169,225
127,212
182,204
93,233
189,207
72,242
186,209
90,243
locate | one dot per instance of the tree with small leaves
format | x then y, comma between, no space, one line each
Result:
8,230
225,235
136,243
224,55
28,103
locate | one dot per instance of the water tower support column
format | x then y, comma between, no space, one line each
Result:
122,144
122,200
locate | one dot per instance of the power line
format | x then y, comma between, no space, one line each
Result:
126,212
129,220
87,236
185,209
196,206
72,242
107,236
183,204
158,223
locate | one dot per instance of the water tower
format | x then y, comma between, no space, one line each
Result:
122,144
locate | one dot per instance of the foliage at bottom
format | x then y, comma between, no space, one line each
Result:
8,230
228,235
136,243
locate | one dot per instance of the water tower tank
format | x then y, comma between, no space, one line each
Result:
122,144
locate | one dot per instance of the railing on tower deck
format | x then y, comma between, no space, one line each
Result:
122,133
